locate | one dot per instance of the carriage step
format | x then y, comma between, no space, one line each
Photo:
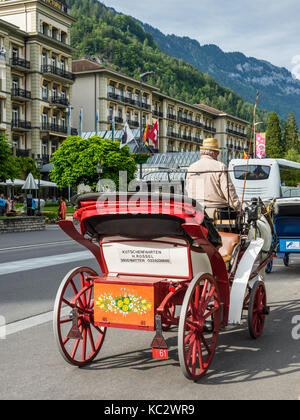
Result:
74,333
159,345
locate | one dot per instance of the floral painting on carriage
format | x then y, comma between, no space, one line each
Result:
124,305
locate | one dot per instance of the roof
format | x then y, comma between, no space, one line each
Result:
210,109
85,65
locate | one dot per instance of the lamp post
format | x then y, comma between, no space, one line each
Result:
254,142
99,169
39,165
142,76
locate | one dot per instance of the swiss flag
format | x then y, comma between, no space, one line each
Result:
154,134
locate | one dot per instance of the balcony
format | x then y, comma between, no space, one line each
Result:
118,120
19,125
20,63
59,101
58,129
21,94
236,133
146,106
171,117
55,71
135,124
157,113
172,134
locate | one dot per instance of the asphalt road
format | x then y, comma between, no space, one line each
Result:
32,368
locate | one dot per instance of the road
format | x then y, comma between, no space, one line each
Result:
32,266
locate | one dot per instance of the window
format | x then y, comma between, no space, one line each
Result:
44,58
15,52
45,91
254,173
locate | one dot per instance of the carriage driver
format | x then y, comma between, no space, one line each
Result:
209,183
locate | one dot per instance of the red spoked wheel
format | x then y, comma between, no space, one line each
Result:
257,309
78,339
199,326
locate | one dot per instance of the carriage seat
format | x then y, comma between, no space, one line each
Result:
229,242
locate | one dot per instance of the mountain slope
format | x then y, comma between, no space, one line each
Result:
279,90
122,43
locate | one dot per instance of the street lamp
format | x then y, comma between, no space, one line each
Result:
254,143
39,165
142,76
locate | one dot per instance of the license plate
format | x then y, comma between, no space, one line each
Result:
160,354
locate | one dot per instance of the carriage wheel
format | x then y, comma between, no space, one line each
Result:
74,311
199,326
257,309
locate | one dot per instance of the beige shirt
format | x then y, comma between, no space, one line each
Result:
212,187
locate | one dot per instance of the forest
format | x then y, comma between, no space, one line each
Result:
121,43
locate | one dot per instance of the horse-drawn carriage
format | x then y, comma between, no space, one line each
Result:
163,263
286,215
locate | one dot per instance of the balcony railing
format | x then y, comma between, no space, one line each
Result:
21,93
133,123
59,100
22,125
45,68
236,133
57,128
157,113
20,62
171,116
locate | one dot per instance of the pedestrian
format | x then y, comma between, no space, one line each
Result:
62,210
10,208
2,205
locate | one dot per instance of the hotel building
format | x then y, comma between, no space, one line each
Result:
103,93
36,75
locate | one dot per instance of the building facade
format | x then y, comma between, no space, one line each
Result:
102,94
36,75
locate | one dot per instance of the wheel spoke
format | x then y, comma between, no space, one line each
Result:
91,339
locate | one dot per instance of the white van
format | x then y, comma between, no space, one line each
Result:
266,178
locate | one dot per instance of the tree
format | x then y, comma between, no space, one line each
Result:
292,155
7,167
274,144
25,165
76,160
291,136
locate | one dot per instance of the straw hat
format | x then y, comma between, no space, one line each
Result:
211,144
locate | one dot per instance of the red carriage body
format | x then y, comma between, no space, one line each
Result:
155,253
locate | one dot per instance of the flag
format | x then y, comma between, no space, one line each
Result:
146,134
69,122
113,125
154,134
97,121
80,122
245,156
127,136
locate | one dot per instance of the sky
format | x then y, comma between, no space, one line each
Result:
263,29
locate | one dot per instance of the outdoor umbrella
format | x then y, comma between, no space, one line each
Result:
30,183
